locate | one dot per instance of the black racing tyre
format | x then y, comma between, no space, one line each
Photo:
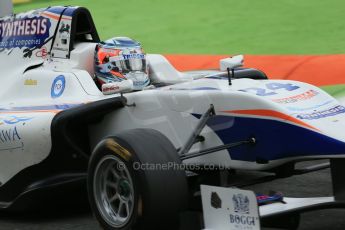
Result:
133,182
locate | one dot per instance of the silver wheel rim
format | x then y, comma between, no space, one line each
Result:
113,191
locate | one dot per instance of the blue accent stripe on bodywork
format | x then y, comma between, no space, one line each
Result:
56,9
42,107
59,9
275,139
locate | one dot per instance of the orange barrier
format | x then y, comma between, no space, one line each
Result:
318,70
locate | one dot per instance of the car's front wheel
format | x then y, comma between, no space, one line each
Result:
131,185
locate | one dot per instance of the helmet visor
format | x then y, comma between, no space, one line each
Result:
130,62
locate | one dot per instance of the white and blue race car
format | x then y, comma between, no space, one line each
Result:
136,150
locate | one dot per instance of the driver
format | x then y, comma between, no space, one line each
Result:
121,62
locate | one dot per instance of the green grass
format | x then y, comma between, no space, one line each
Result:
220,26
336,91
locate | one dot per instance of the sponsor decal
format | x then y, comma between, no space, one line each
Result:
9,135
65,28
228,208
64,35
216,202
30,82
42,53
125,56
241,210
242,220
24,32
322,114
58,86
112,88
133,56
241,203
118,149
10,139
300,97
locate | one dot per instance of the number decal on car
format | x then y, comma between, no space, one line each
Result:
271,88
259,91
276,86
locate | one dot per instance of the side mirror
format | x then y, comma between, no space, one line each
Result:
232,62
117,87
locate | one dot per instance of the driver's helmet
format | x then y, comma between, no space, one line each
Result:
119,59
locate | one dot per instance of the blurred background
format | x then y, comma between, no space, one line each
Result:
218,26
287,39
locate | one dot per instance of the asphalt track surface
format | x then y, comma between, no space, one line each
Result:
79,218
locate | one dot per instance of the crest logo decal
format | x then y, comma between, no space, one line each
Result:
241,203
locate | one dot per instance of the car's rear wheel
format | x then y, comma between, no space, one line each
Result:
134,182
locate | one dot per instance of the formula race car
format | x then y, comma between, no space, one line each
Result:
138,150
